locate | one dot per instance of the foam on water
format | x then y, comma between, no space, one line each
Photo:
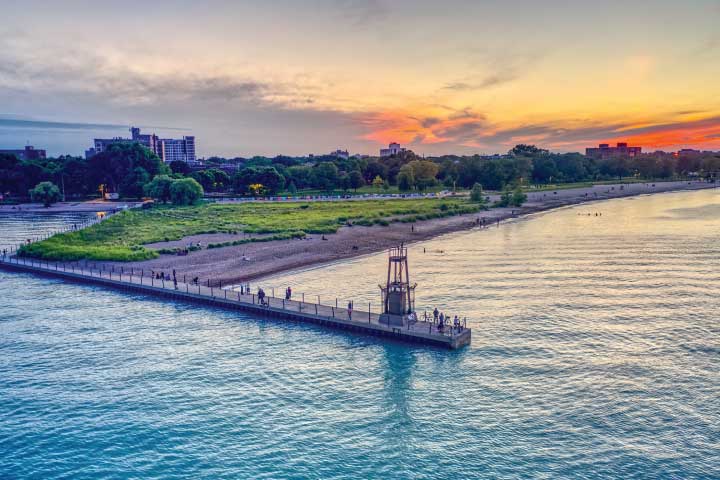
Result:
596,352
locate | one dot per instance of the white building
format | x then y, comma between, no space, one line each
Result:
182,150
393,149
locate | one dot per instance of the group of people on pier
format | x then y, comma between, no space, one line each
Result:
442,320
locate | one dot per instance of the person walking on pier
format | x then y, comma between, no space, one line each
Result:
349,310
288,293
435,314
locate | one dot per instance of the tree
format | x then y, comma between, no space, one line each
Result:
185,191
375,169
356,179
178,166
45,192
405,178
378,181
10,173
159,188
523,150
344,181
133,184
301,176
477,194
205,178
271,180
544,169
424,173
292,188
518,197
325,176
491,175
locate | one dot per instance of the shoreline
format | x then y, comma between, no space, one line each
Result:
252,261
91,206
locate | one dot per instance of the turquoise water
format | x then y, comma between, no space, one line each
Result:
596,354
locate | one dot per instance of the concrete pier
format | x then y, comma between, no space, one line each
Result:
356,320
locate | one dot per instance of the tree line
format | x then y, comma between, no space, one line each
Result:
131,170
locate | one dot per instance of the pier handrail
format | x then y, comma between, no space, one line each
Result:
121,276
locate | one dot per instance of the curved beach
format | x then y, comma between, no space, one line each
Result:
236,264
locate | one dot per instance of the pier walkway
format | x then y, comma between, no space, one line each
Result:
357,320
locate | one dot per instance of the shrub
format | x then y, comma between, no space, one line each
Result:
45,192
476,194
186,191
159,188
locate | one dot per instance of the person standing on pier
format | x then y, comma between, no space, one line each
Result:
435,314
349,310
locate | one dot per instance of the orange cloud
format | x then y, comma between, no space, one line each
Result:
458,126
703,134
464,131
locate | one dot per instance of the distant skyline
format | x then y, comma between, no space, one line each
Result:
286,77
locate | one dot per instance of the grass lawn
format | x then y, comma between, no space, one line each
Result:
122,236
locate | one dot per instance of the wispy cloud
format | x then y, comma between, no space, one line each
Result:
361,13
74,71
489,68
483,82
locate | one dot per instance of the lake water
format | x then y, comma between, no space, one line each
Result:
595,354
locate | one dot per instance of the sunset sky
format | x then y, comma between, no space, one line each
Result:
295,77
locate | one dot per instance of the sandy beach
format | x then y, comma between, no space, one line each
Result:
255,260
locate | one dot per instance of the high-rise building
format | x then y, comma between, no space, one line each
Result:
168,149
178,150
604,150
28,153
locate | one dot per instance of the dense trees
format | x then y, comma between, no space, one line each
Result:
133,171
258,180
125,168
